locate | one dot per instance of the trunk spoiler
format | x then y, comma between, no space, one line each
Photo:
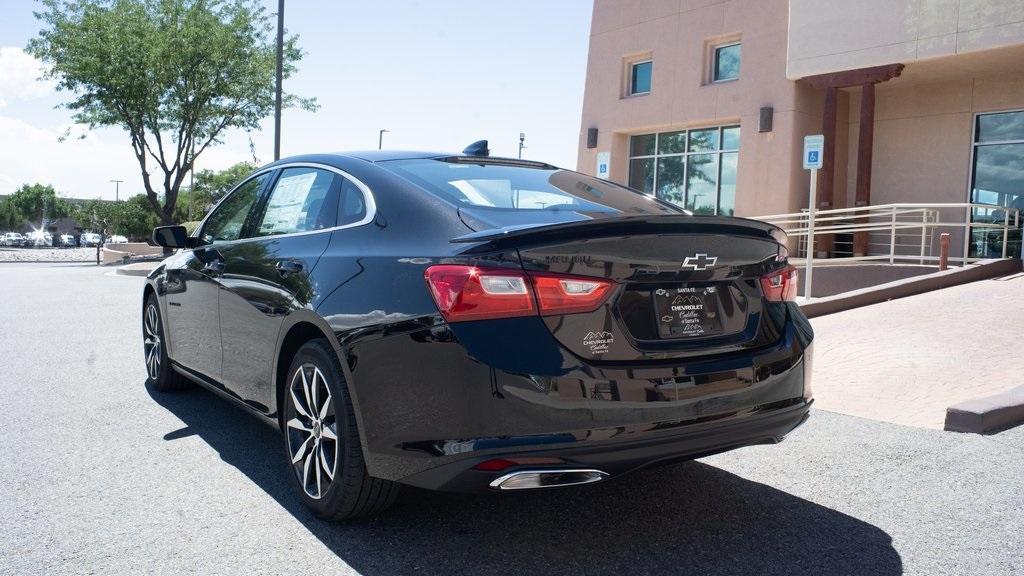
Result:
647,223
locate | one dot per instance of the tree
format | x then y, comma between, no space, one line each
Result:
131,217
208,188
94,215
9,217
36,202
175,74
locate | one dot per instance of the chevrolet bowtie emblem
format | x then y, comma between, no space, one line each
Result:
700,262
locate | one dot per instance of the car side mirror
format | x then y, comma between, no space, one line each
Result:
174,237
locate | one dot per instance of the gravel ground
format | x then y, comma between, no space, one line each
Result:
101,475
47,254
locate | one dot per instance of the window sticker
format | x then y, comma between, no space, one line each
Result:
286,210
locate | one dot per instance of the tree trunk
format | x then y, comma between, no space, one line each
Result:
167,219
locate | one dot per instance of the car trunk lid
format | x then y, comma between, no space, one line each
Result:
686,286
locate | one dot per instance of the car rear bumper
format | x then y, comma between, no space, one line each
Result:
429,409
617,457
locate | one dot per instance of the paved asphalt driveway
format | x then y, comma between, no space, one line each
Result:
100,475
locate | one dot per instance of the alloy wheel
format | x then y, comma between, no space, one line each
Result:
312,430
151,341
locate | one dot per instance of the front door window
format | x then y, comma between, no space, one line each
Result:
227,221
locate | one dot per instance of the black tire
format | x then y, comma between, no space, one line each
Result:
349,492
159,373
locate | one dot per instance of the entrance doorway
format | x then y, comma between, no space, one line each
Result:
997,178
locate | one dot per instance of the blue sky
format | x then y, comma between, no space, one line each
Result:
437,74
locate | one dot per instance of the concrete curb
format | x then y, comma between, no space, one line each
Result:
989,414
910,286
93,261
137,269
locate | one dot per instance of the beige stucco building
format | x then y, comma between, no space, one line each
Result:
919,101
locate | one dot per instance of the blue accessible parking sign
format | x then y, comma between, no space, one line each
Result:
813,151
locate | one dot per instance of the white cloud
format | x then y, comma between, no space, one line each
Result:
83,167
78,168
20,75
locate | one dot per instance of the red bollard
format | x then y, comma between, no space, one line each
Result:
943,250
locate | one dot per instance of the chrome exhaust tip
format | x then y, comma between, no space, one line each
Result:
529,479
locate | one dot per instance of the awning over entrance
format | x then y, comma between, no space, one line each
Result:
866,78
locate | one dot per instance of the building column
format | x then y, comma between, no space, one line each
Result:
827,174
831,82
865,145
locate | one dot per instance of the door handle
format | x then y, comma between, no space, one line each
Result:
286,267
214,267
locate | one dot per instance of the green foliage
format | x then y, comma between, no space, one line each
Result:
134,219
32,203
93,215
9,217
175,74
215,185
131,217
208,188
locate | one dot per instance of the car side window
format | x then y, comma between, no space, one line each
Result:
352,207
303,200
228,219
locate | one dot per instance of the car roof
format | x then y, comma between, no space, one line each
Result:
332,158
384,155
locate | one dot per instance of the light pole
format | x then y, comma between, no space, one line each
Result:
380,138
522,140
117,189
279,75
191,176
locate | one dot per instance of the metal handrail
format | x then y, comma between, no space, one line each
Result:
893,220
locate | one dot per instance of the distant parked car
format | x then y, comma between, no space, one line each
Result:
90,239
38,239
13,239
115,239
67,240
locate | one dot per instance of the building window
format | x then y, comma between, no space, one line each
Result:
726,64
695,169
997,178
640,77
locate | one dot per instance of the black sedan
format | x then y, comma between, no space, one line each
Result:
469,323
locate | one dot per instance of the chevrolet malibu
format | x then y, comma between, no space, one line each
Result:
470,323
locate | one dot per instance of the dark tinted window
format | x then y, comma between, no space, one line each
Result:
1000,127
303,200
518,188
228,219
640,78
352,206
727,62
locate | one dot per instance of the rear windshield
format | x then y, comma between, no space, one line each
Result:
502,187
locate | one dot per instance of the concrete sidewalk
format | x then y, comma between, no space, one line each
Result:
137,269
907,360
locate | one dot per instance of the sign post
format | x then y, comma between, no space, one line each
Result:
814,148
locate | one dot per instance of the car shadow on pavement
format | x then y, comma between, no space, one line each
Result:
682,518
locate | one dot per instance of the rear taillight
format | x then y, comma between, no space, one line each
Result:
472,293
780,286
557,295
